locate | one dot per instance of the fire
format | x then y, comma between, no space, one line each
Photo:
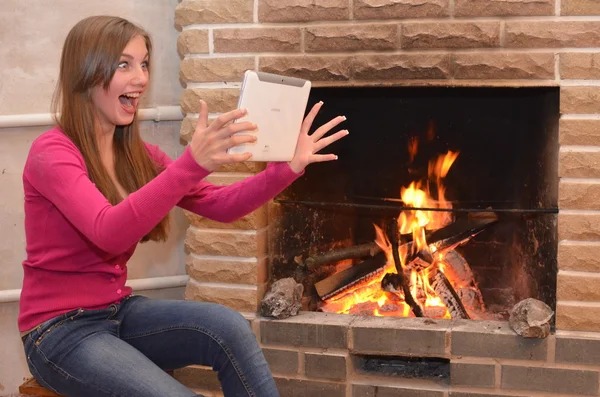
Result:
369,296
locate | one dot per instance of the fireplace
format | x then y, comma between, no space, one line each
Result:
498,220
500,65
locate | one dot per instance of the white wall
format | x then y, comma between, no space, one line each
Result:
31,37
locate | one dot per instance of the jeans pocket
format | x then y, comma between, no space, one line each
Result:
44,329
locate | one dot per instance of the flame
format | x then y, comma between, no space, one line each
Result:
426,216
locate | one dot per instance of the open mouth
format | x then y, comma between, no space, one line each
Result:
129,101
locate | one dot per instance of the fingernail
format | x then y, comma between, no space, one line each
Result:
336,157
344,117
321,102
347,132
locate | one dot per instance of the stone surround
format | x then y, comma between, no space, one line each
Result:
514,43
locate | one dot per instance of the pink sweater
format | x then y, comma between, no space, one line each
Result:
78,244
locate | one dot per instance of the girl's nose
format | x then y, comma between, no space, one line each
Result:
141,76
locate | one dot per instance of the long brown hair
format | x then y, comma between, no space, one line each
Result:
90,57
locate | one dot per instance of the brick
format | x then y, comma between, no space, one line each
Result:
577,350
579,163
193,41
219,100
577,316
584,227
309,388
576,255
205,70
580,7
302,10
579,194
376,9
188,126
579,132
190,12
579,65
580,286
495,340
450,35
282,361
222,271
504,66
399,336
552,34
325,366
351,37
237,298
198,377
226,243
308,329
255,220
257,40
580,100
472,374
555,380
490,8
400,67
390,391
314,68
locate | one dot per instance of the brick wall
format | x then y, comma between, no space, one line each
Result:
401,42
314,355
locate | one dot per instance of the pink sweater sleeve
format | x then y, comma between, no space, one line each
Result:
228,203
55,168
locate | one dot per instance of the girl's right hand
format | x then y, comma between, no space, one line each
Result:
209,144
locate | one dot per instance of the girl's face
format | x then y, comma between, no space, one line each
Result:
117,105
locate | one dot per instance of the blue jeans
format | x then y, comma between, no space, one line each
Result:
124,350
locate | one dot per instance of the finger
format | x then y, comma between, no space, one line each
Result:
319,158
238,140
234,128
322,130
236,158
310,117
323,143
228,117
203,117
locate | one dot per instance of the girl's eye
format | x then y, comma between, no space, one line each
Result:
123,64
145,64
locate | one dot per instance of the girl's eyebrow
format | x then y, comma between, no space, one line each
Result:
131,56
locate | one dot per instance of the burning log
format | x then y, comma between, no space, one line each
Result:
420,261
393,231
458,270
358,251
448,295
439,241
341,281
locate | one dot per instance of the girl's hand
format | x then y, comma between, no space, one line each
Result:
209,145
309,145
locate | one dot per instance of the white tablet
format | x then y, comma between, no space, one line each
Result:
276,104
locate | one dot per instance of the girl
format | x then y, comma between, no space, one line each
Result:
93,190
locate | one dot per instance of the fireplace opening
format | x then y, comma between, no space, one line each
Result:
443,203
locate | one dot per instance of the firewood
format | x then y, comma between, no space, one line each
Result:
358,251
439,240
448,295
393,237
457,269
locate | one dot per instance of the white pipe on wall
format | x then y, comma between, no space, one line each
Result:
159,113
140,284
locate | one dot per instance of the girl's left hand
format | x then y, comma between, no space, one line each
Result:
308,145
